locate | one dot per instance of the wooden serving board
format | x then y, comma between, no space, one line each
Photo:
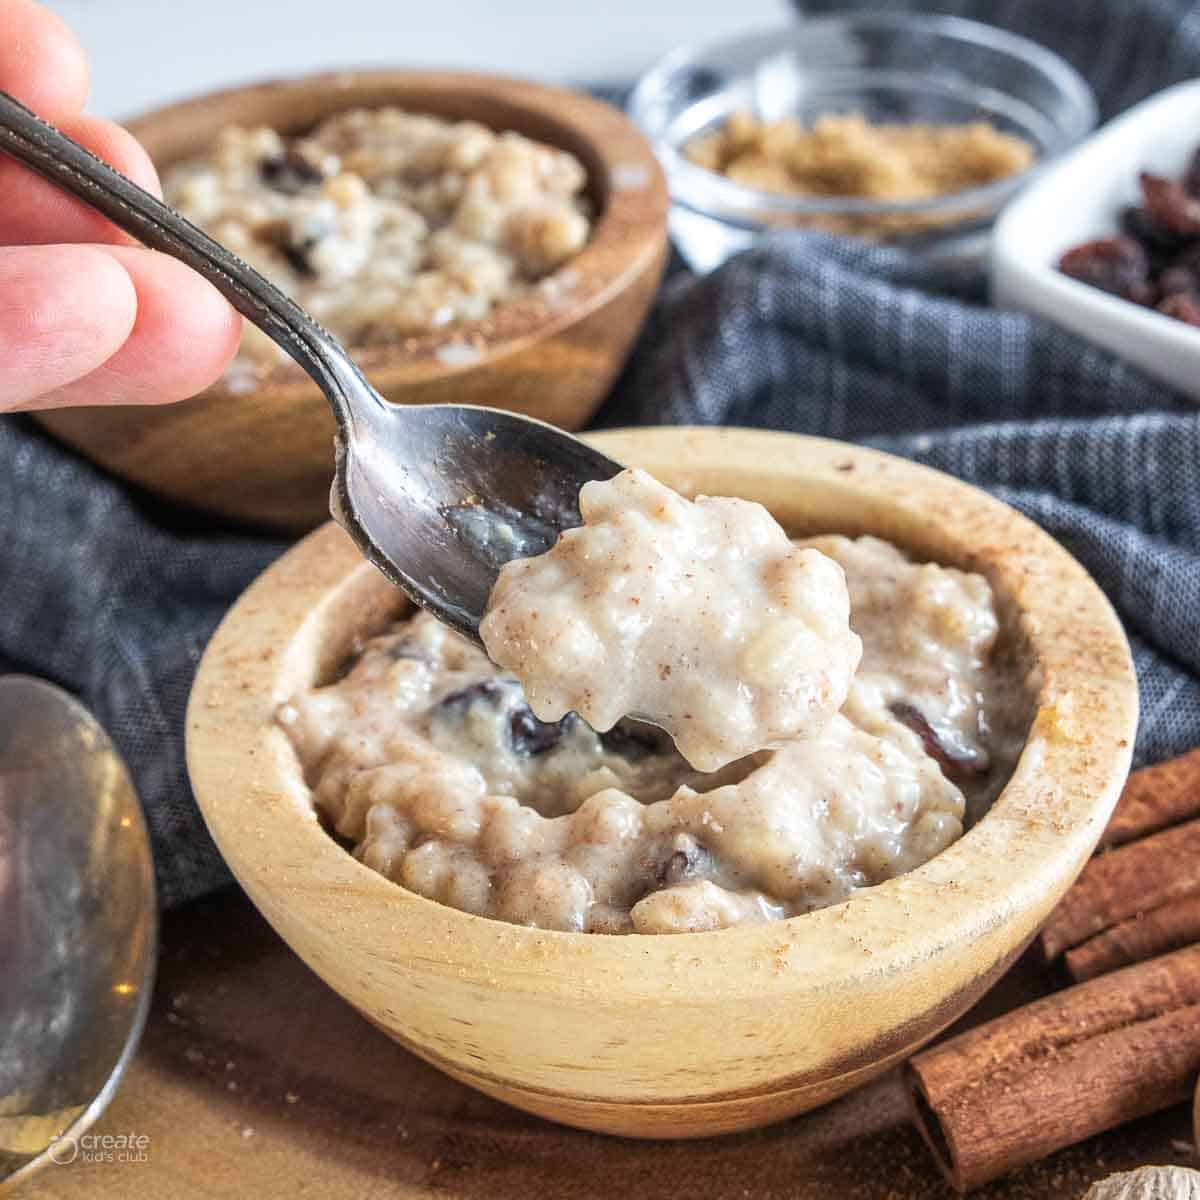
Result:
255,1080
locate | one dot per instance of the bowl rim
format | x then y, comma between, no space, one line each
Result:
627,235
710,192
1046,820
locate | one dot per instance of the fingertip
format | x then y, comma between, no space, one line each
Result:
185,335
64,311
75,292
66,65
41,61
203,331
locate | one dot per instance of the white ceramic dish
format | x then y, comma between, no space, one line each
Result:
1079,199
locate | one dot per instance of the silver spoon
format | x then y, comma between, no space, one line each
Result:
437,497
77,925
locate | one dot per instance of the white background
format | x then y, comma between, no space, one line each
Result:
145,52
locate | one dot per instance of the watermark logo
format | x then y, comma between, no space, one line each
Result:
64,1150
94,1148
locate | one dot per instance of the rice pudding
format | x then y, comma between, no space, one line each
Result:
427,761
386,224
700,616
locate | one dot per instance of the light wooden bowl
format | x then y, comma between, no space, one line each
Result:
681,1036
266,456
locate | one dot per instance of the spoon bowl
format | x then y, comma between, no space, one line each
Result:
440,497
77,924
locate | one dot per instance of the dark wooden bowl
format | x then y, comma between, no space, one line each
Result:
265,456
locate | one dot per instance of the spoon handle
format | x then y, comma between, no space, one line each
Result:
65,163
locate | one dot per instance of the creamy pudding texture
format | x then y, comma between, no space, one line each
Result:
387,224
700,616
429,764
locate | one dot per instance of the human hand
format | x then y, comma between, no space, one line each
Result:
86,316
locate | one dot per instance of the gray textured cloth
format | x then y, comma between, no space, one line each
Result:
110,595
105,593
1126,49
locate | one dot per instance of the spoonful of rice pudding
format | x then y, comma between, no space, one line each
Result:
699,616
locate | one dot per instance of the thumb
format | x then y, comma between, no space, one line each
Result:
64,311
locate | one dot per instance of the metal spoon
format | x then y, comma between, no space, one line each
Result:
437,497
77,925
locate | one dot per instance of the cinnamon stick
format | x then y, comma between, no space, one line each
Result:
1154,798
1060,1070
1135,878
1144,936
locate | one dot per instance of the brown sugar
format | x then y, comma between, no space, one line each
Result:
845,155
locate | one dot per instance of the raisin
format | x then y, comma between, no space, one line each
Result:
1181,274
1117,265
1188,257
1170,204
297,256
528,735
1183,306
688,860
952,764
1191,177
407,649
634,740
289,172
1159,243
1176,281
485,691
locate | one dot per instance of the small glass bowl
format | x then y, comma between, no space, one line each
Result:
894,67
